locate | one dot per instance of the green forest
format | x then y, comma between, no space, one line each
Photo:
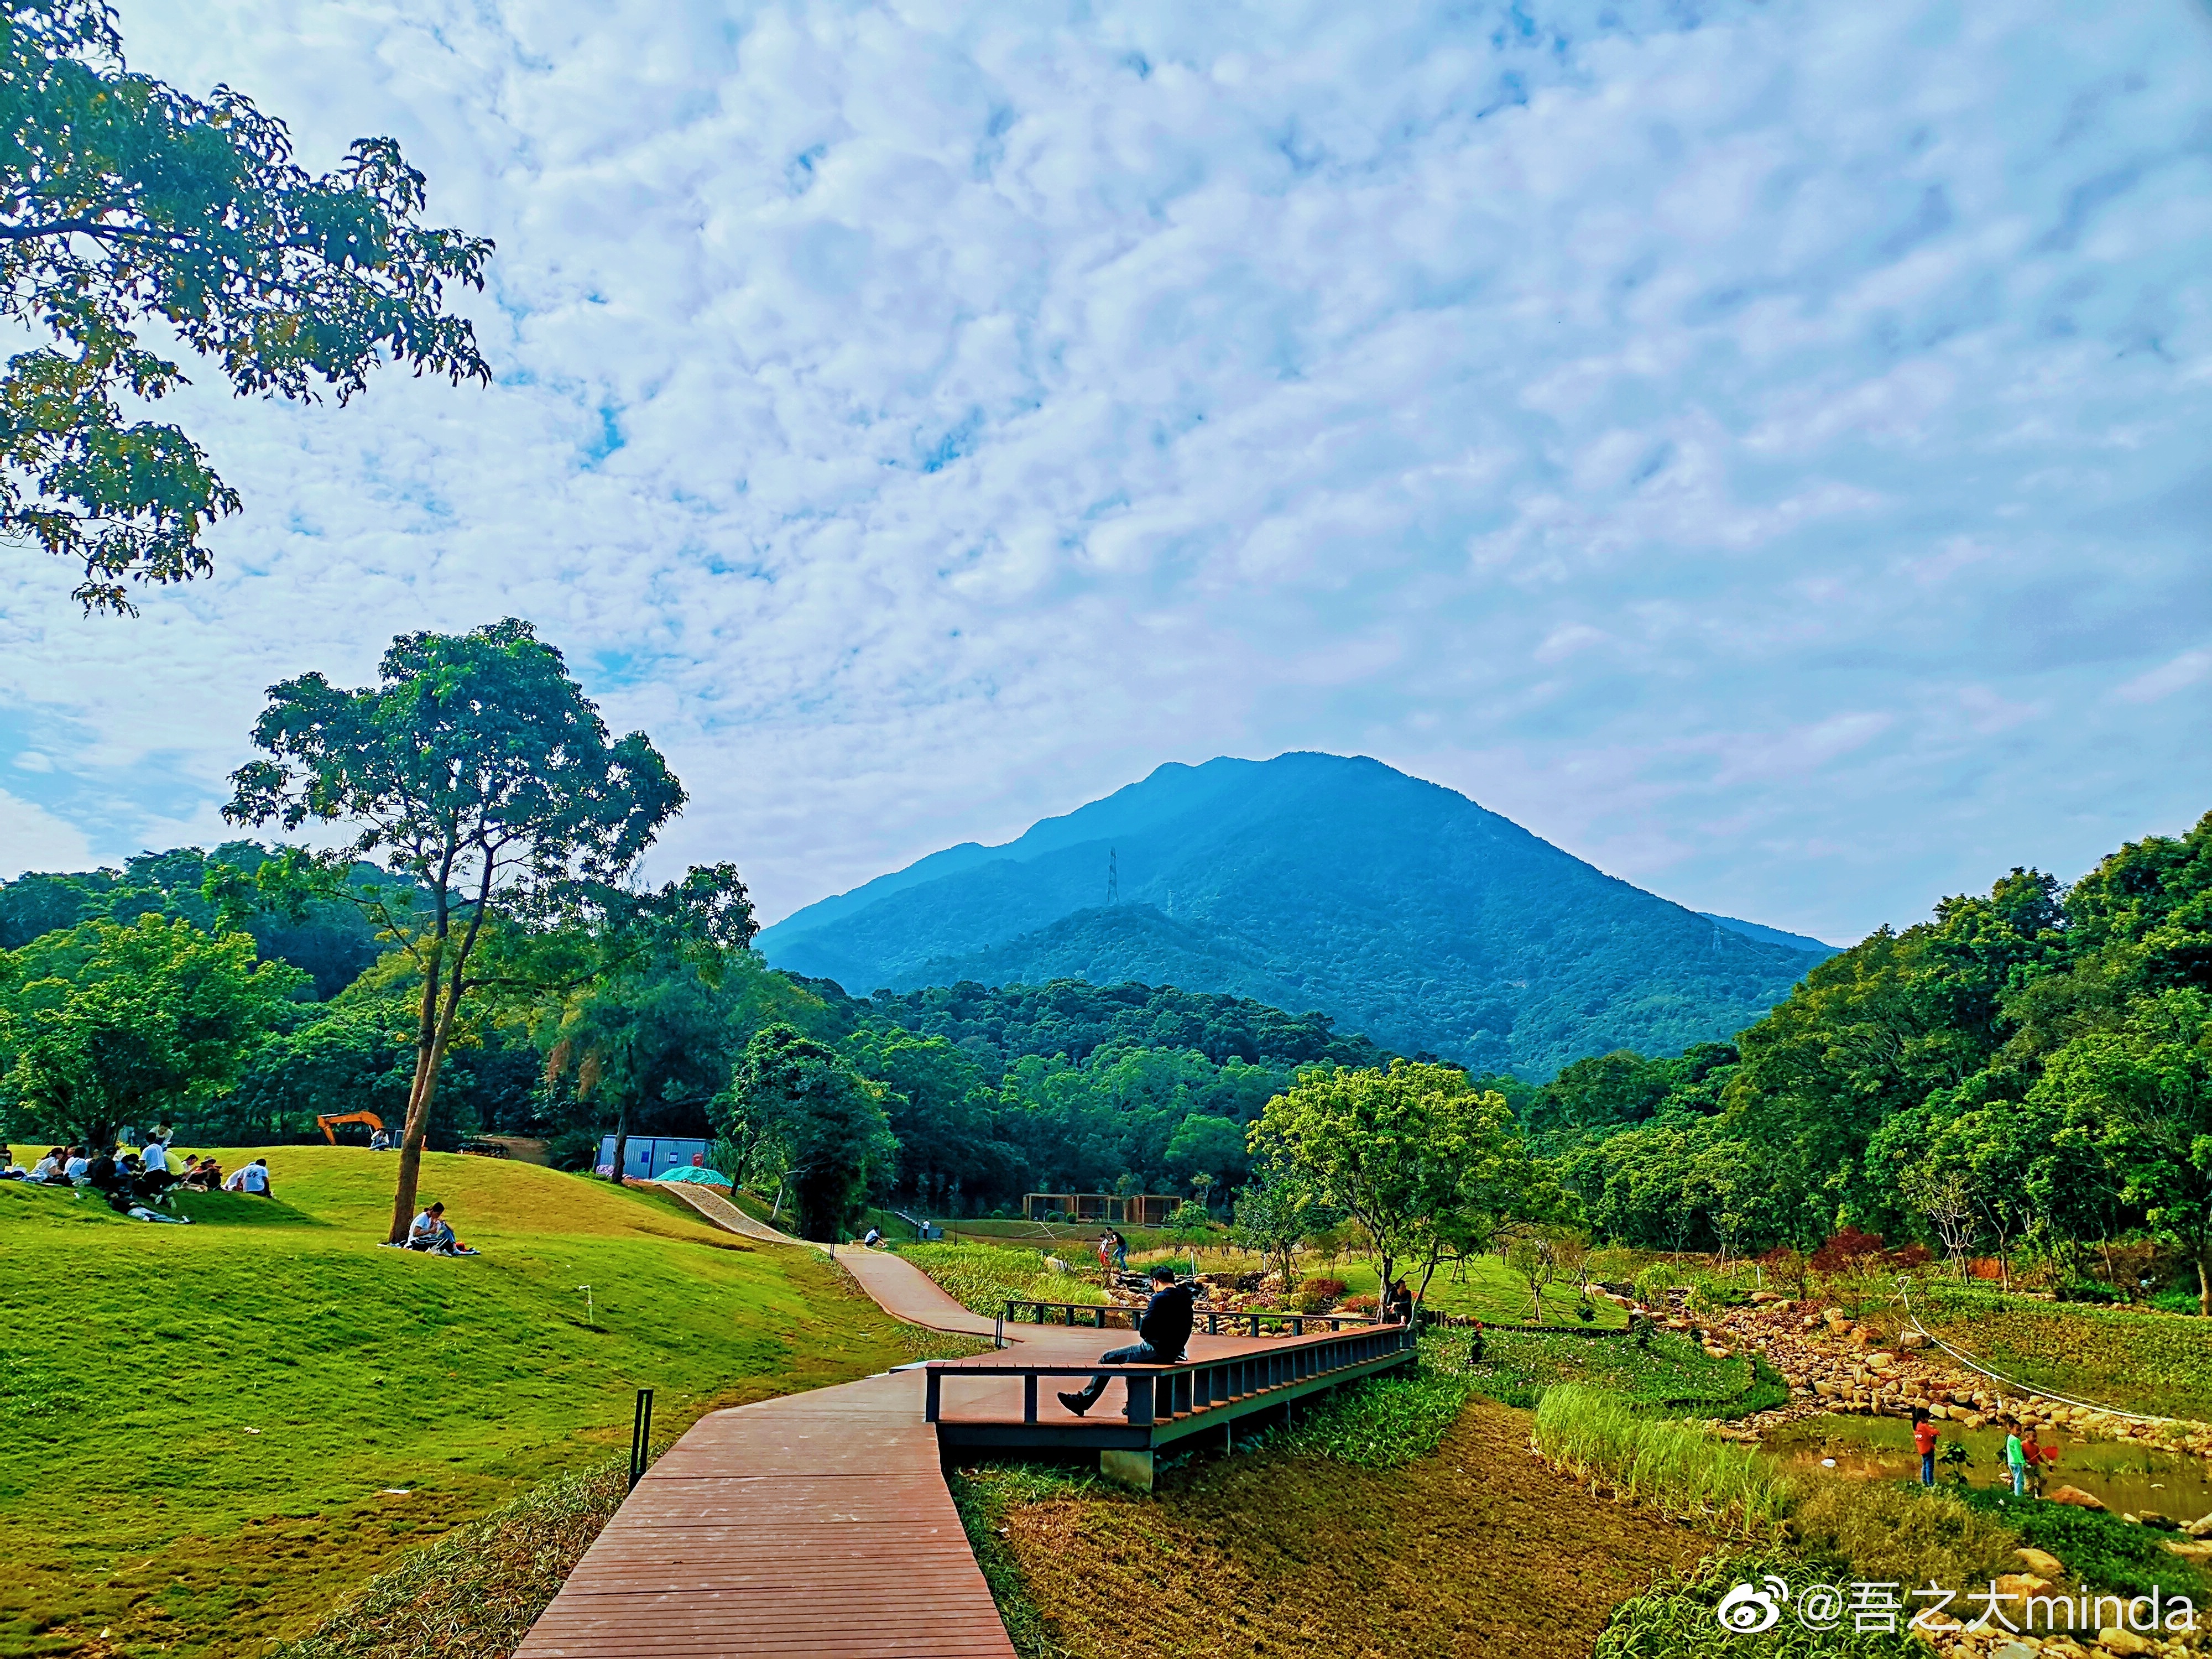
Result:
2029,1073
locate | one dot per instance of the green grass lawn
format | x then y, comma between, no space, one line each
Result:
199,1426
2136,1360
1485,1289
1674,1373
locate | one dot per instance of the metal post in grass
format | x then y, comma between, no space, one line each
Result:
641,1436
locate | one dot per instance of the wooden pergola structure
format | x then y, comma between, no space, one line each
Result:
1109,1209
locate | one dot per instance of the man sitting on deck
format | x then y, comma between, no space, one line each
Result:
1161,1335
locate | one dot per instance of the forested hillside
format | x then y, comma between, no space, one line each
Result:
2030,1064
987,1092
1398,908
2033,1064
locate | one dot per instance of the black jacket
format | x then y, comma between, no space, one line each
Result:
1165,1328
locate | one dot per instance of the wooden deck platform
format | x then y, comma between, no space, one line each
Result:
818,1526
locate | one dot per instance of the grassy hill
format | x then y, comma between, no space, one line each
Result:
209,1433
1401,909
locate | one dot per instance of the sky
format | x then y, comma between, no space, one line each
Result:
1765,450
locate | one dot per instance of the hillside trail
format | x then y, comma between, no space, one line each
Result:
896,1285
814,1526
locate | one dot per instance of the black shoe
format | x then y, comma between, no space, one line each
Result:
1078,1403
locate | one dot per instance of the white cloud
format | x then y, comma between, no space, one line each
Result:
31,838
2162,682
1010,398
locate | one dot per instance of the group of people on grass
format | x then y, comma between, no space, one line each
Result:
141,1182
2025,1455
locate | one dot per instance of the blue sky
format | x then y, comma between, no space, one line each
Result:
1762,448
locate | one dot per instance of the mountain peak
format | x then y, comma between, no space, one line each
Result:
1316,882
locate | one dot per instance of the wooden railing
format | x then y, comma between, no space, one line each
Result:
1161,1393
1249,1322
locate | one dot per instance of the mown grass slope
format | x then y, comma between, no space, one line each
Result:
199,1426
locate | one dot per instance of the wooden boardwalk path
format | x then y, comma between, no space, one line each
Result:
815,1526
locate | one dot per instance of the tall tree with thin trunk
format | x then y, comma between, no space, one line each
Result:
479,777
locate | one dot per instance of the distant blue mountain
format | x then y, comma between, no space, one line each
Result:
1399,907
1774,935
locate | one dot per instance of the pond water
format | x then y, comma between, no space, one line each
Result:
2129,1477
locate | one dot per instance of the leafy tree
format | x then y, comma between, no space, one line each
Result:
102,1026
2142,1100
124,200
824,1123
1270,1217
652,1036
479,777
1527,1260
330,940
943,1111
1415,1155
352,1062
1622,1087
1203,1142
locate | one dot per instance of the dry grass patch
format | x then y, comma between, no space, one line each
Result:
1477,1550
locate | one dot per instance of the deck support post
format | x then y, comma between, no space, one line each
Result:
1127,1469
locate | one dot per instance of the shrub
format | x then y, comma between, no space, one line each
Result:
984,1278
1905,1534
1319,1295
1360,1305
1675,1618
1674,1466
1847,1252
2101,1550
1653,1284
1376,1425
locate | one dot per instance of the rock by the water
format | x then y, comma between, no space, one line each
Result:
2076,1497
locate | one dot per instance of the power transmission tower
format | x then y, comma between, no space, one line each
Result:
1113,877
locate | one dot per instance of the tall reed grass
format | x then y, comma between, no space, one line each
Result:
983,1278
1673,1466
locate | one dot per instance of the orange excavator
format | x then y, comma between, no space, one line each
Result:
374,1123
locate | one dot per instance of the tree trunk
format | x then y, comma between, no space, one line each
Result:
2204,1279
622,1143
410,1144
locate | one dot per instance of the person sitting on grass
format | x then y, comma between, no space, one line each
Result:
204,1173
429,1232
48,1170
250,1178
75,1166
1161,1335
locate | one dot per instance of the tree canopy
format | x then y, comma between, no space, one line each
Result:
1425,1163
103,1026
821,1124
480,778
2028,1064
125,203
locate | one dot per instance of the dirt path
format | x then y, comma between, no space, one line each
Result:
1479,1551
